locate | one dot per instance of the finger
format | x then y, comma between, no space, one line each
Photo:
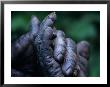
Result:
83,48
59,46
70,58
46,31
48,21
45,26
34,25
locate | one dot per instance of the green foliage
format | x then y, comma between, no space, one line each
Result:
78,25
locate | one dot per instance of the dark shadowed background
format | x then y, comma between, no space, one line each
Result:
78,25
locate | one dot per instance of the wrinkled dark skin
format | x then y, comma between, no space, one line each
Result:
43,50
36,53
22,52
83,53
70,58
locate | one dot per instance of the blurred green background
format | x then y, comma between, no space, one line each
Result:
78,25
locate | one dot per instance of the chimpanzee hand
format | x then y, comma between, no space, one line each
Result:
22,53
56,56
24,43
65,58
72,58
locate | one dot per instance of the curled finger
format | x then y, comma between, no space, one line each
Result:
83,48
70,58
59,46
